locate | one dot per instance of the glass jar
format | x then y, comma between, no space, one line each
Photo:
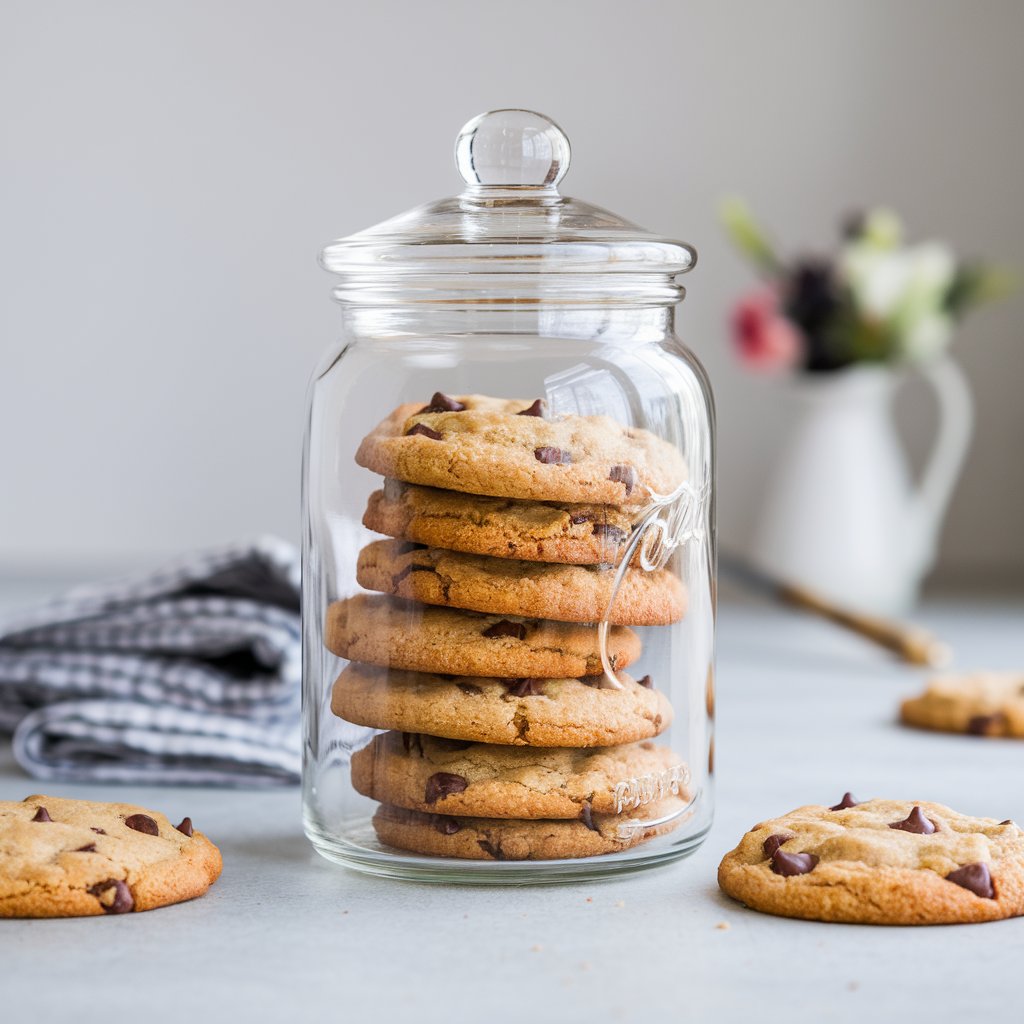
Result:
508,538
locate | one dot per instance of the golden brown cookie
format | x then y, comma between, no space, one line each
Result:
76,858
442,776
495,446
879,862
501,527
387,631
505,586
531,711
442,835
526,712
982,704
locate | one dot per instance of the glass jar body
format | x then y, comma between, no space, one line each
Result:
445,735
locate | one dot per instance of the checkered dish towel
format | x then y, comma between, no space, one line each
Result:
190,674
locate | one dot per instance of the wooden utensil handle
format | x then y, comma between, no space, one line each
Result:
911,643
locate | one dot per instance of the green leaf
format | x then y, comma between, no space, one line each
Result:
747,235
975,284
855,338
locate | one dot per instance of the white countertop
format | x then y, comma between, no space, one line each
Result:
805,712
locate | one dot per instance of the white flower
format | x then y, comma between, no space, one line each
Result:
927,338
921,322
904,289
931,270
878,278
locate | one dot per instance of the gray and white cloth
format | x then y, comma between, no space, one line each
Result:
187,675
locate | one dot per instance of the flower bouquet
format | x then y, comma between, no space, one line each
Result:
876,300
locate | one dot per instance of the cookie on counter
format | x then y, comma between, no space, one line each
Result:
523,711
423,638
505,586
425,773
501,527
442,835
76,858
982,704
879,862
510,448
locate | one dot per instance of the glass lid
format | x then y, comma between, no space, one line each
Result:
510,219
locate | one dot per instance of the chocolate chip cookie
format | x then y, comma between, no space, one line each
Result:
879,862
982,704
501,527
512,449
505,586
530,712
524,711
76,858
387,631
424,773
443,835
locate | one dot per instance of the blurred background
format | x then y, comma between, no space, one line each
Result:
171,171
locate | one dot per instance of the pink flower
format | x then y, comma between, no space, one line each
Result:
765,339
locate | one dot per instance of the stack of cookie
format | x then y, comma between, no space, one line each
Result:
480,651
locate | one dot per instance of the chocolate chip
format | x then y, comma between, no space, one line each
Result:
422,428
848,801
915,822
405,546
595,680
975,877
587,817
537,409
552,456
987,725
142,823
442,784
185,828
42,814
646,682
609,532
491,849
406,570
1009,821
506,628
579,517
442,403
88,848
120,901
452,745
772,843
445,825
787,864
400,575
623,475
525,687
98,831
412,741
470,688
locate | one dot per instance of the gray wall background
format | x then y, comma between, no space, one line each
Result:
169,172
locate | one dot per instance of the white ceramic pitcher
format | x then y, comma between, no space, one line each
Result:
841,514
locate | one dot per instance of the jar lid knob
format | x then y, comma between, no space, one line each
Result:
512,149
